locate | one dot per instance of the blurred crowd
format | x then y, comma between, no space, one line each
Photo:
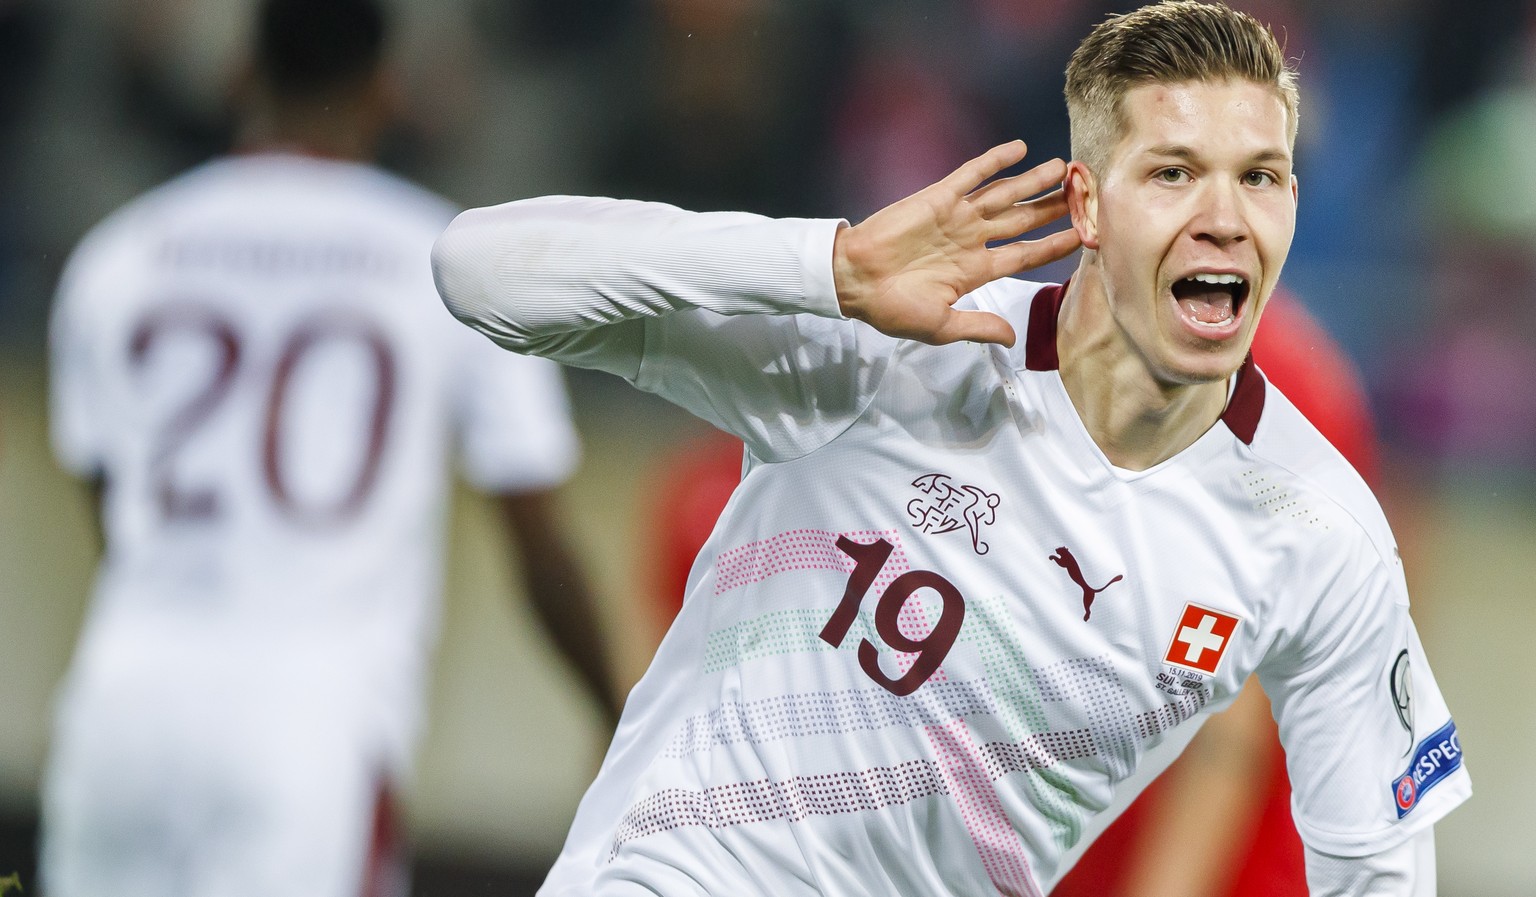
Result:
1416,242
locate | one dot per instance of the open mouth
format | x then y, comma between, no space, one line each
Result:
1212,300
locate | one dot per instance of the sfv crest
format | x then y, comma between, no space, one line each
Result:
946,506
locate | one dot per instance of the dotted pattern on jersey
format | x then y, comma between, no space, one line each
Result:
802,549
1092,685
1010,692
1021,710
828,794
1276,499
764,800
1037,752
798,631
969,782
1015,698
793,631
1155,722
828,713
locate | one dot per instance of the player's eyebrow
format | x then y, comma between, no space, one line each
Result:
1172,150
1188,154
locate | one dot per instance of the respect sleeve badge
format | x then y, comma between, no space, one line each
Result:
1434,760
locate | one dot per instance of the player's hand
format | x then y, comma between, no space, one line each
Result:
902,269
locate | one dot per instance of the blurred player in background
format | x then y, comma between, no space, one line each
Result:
251,365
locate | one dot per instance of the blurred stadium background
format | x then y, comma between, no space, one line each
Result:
1416,246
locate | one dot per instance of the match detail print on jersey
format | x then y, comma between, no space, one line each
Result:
1201,638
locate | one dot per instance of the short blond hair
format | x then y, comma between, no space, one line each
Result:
1165,43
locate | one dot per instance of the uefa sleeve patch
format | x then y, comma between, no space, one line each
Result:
1436,758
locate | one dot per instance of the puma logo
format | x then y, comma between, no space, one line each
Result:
1064,559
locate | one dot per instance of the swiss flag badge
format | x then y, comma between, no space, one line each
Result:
1201,638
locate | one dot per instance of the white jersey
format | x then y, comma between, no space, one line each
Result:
935,628
253,358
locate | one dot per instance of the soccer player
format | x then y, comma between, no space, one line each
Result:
251,361
1234,763
999,544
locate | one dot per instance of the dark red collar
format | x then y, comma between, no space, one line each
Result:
1244,408
1040,341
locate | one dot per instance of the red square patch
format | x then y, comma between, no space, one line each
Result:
1201,638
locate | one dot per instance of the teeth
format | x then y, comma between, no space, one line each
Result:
1216,278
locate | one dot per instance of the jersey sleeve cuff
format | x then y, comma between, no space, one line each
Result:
816,251
1434,807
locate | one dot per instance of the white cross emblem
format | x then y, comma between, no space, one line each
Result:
1200,640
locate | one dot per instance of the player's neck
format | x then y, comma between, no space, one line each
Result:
327,133
1136,420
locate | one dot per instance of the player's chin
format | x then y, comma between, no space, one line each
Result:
1209,363
1201,357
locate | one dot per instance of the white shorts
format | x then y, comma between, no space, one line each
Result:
167,782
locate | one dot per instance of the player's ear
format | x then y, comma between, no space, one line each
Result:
1083,202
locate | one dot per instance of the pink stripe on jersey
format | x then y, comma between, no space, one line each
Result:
963,768
802,549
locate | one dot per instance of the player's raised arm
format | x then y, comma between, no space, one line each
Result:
575,278
531,274
902,269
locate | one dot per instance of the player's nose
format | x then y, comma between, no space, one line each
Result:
1219,217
